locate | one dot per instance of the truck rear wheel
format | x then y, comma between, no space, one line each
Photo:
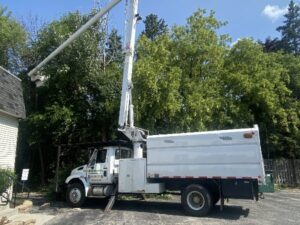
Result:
196,200
75,195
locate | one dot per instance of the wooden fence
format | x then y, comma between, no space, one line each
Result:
285,171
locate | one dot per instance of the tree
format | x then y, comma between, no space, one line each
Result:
199,52
80,100
154,27
292,65
190,80
12,41
256,91
290,31
114,47
271,45
176,76
156,85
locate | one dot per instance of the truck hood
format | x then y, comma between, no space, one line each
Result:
79,169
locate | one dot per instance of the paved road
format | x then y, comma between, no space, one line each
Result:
281,208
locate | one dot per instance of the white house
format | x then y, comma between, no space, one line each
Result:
11,110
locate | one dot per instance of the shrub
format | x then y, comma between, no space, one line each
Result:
6,179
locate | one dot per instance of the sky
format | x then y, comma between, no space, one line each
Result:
246,18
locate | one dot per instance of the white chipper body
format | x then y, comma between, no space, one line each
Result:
204,167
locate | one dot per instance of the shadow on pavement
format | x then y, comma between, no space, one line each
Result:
168,208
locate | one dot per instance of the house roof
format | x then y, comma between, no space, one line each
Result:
11,94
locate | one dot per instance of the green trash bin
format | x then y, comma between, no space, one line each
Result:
269,186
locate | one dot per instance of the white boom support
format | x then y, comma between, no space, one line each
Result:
126,107
126,100
126,116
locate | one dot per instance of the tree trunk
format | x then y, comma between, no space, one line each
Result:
57,168
104,134
42,166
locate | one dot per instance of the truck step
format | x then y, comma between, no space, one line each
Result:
111,201
110,204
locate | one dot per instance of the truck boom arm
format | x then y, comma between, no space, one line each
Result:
126,116
126,107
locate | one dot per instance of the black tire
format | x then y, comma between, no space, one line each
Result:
75,195
196,200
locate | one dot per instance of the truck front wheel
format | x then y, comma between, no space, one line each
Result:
75,195
196,200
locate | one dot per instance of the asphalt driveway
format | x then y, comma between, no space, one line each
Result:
280,208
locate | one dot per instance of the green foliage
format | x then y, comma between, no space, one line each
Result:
56,120
200,55
6,179
271,45
290,31
80,100
282,138
154,27
255,80
81,85
259,93
175,79
12,41
292,65
190,80
156,84
114,51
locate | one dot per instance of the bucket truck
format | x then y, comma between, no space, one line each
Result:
204,167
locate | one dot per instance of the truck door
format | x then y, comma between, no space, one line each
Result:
97,171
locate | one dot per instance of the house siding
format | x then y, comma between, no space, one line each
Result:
11,109
8,141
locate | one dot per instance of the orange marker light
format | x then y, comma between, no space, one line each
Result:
248,135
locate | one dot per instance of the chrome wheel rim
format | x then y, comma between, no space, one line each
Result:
195,200
75,195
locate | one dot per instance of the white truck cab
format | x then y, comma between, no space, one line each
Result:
99,176
103,166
